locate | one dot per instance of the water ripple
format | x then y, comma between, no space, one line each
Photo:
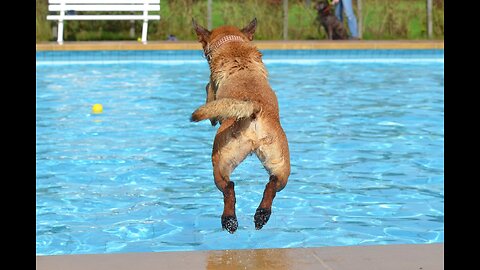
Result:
366,143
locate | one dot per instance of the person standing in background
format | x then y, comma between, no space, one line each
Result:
346,5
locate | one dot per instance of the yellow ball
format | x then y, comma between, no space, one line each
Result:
97,108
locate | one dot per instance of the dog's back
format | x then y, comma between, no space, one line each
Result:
240,83
245,104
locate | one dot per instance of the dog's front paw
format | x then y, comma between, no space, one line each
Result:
229,223
261,217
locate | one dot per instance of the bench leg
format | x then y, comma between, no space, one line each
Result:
60,33
144,32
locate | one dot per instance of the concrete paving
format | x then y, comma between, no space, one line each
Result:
381,257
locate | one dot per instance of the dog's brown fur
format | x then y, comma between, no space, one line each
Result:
241,99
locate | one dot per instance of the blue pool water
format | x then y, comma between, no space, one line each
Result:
366,137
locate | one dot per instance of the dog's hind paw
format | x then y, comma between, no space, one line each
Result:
229,223
261,217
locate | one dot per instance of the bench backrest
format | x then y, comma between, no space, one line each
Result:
144,6
104,5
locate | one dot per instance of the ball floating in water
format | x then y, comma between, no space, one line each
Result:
97,108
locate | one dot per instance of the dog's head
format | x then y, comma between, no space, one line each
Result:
206,37
322,5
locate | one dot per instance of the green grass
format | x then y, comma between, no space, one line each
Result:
382,19
395,19
302,23
43,27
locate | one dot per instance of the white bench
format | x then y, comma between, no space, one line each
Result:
63,6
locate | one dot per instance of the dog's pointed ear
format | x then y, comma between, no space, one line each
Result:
203,34
249,30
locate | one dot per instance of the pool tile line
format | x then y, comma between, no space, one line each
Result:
192,56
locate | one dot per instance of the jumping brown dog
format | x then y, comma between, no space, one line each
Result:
241,99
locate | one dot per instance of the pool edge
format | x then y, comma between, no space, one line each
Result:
392,257
262,45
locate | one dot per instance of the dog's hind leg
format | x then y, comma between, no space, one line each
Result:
264,210
229,149
275,158
229,219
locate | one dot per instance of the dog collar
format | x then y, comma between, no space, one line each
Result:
226,39
328,7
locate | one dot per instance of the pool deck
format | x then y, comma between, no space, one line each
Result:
381,257
262,45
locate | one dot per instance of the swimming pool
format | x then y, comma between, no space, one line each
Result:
366,138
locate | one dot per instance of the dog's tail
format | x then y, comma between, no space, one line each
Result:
225,108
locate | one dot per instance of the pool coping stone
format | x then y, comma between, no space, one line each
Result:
385,257
262,45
